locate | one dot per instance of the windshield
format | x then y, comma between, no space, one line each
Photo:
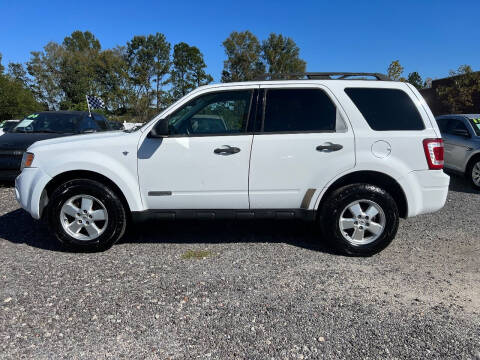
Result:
60,123
476,125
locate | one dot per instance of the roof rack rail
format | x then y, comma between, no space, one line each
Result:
322,76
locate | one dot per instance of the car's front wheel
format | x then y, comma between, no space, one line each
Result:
85,214
359,219
474,173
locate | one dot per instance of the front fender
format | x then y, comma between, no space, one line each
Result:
122,173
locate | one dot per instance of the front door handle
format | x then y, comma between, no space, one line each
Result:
328,146
226,150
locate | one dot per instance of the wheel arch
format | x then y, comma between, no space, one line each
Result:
85,174
379,179
475,157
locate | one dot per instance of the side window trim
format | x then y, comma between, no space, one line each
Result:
261,131
249,115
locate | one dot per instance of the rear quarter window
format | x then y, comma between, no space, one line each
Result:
386,109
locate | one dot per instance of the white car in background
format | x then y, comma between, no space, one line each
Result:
352,155
129,126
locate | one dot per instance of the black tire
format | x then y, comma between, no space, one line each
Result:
334,205
114,228
470,174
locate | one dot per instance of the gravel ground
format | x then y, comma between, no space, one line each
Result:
246,290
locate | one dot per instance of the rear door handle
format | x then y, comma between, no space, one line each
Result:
328,146
226,150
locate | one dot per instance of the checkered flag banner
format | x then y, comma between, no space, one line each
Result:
95,102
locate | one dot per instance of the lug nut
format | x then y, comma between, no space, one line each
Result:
368,224
360,227
84,211
356,222
79,221
90,216
366,217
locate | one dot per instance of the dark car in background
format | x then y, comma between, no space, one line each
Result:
42,126
7,125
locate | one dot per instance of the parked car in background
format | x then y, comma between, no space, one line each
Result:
115,125
461,135
130,125
41,126
352,155
7,125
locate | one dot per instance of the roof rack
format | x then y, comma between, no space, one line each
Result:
324,76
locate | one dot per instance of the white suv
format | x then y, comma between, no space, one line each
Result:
353,155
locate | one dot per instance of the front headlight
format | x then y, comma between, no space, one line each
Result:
27,160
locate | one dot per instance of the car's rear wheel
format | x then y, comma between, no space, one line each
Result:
85,214
474,173
359,219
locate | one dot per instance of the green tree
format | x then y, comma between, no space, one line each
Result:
17,71
81,41
463,86
395,71
45,69
281,55
415,79
148,60
113,85
244,57
161,64
2,69
16,100
81,51
188,71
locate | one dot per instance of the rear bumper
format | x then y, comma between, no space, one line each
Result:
29,190
428,190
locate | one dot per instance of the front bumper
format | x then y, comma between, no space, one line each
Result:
8,175
428,191
29,190
9,165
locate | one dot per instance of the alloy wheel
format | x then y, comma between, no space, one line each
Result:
476,174
362,222
84,217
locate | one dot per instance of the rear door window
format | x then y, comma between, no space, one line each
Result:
386,109
298,110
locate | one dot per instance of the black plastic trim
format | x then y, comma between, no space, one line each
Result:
159,193
207,214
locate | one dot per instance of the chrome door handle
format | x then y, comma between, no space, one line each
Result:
226,150
328,146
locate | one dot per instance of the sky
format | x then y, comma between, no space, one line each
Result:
428,36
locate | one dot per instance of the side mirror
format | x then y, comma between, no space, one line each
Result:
461,132
160,130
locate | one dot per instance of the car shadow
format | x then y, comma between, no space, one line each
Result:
20,228
460,183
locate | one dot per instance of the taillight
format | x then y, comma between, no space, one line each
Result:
434,153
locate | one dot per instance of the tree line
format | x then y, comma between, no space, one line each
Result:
461,94
135,80
144,76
